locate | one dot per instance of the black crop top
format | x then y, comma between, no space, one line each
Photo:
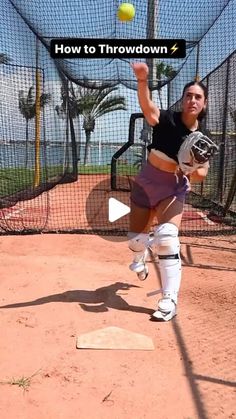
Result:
169,133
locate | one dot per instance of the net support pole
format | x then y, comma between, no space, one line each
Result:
223,143
231,195
151,33
197,75
37,119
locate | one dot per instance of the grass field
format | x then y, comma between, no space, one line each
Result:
16,179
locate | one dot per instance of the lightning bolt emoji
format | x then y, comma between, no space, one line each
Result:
174,49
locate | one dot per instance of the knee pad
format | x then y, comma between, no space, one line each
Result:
138,242
167,241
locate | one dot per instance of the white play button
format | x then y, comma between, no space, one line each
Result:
108,210
116,209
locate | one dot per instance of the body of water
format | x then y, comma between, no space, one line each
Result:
14,154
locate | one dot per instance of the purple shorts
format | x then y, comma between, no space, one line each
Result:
152,185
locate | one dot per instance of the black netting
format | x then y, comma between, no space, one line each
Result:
65,123
216,194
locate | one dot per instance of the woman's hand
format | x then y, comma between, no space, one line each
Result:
199,174
140,70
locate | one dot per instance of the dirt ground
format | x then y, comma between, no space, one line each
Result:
55,287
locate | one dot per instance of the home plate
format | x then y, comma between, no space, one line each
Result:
114,338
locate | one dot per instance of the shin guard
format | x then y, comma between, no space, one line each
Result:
139,245
168,249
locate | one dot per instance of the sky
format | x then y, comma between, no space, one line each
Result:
188,19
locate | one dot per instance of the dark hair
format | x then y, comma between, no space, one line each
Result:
204,89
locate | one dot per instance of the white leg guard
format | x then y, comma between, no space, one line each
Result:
168,249
139,243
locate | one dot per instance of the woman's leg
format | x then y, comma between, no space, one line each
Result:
169,214
141,220
170,210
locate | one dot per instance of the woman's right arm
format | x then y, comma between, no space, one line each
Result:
150,110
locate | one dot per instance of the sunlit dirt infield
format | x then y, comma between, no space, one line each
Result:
56,286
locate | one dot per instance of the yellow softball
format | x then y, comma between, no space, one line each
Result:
126,12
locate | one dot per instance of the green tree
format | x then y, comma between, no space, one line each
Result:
92,103
232,113
4,59
164,72
138,162
69,107
68,102
27,107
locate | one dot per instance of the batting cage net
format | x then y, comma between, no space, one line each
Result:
72,134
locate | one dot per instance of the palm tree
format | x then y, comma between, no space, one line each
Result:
139,161
68,106
68,102
232,112
27,107
4,59
92,103
166,72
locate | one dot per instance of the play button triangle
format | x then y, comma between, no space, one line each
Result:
116,209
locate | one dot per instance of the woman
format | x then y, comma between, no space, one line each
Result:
160,188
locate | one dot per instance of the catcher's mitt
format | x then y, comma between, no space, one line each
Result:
195,152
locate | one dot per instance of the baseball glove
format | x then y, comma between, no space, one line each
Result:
195,152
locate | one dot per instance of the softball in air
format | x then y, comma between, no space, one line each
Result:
126,12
